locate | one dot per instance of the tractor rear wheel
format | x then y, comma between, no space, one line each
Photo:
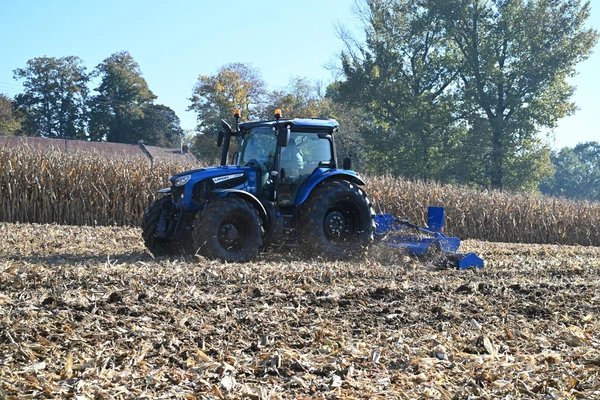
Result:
230,229
156,245
337,221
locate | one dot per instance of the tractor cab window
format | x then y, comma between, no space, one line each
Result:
258,144
258,148
304,153
314,152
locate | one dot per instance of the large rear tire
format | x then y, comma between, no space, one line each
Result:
156,245
337,221
229,229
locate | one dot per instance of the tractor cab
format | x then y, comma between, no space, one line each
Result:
308,148
285,153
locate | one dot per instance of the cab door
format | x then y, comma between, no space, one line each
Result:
304,154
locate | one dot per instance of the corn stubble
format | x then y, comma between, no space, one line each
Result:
86,312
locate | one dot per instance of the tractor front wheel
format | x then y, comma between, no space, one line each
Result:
337,221
229,229
158,246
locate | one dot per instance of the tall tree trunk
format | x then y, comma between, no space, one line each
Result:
497,171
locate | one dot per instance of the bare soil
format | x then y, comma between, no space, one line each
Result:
88,313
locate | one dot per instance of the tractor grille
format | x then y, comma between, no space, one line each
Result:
201,191
177,193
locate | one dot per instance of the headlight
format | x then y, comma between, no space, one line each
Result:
182,180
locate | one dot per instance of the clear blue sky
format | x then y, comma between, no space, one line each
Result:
176,41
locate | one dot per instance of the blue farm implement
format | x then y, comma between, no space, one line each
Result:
418,240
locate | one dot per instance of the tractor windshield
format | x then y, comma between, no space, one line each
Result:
258,144
305,151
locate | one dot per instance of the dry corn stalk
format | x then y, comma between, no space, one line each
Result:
86,189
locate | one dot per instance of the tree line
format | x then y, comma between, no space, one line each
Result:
57,103
453,92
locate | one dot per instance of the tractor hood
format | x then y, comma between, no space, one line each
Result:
190,189
218,174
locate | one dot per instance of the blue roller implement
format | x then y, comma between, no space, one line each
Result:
417,240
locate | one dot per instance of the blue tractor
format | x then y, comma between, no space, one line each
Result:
284,188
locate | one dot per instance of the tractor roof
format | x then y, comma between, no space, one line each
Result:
297,124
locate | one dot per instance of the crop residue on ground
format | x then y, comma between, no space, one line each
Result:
88,312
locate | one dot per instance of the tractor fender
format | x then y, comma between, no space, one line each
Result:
315,179
252,199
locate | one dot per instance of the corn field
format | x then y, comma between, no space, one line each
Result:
77,188
85,189
491,215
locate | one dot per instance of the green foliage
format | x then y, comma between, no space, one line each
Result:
527,161
53,103
235,86
56,103
577,174
204,147
458,91
239,86
160,126
515,58
123,102
349,141
9,124
401,78
300,99
216,97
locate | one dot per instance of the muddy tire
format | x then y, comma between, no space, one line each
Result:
229,229
156,245
336,222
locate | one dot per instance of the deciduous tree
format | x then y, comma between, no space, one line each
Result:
515,58
53,102
577,173
119,109
234,86
9,123
301,98
161,126
428,69
216,97
402,78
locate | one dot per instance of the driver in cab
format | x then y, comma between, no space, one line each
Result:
292,159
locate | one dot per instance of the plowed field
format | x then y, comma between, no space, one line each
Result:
88,313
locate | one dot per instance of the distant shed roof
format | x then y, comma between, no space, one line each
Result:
105,149
165,154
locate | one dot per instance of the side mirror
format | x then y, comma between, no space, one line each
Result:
226,126
220,135
347,163
283,136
